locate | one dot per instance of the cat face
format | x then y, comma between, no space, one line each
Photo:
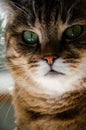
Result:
46,45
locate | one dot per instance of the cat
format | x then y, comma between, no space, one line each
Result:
46,54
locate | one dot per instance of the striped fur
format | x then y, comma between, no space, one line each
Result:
43,100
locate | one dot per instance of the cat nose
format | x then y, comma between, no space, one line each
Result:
50,59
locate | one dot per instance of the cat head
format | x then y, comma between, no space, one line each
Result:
46,44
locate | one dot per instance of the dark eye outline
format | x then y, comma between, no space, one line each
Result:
72,37
34,38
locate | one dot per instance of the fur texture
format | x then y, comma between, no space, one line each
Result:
47,96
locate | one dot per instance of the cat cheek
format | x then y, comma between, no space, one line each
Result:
74,67
42,69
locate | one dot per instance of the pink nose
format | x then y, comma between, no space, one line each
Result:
50,59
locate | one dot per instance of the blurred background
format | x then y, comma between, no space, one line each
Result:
6,86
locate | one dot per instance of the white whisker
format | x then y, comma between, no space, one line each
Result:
4,102
6,116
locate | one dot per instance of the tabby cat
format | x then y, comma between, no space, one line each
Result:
46,54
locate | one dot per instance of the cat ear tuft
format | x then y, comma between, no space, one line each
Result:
6,12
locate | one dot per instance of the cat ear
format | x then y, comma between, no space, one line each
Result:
6,12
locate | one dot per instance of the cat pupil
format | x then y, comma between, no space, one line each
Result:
30,37
74,32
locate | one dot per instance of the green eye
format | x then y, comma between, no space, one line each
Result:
73,32
30,37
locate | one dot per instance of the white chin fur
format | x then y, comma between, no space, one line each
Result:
58,84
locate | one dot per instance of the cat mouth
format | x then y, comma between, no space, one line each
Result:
54,73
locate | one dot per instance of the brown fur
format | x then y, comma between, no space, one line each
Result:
38,112
37,107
